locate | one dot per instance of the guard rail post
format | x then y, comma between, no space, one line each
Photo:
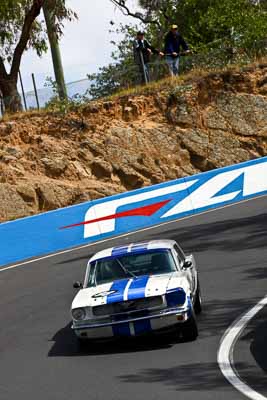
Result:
143,68
23,91
35,91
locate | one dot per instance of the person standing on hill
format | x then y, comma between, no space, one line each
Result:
142,53
173,44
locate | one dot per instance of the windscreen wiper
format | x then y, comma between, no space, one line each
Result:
125,269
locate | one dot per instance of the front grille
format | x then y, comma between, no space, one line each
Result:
130,306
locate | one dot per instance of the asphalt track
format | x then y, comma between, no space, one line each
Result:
39,358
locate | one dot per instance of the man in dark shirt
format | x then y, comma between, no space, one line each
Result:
142,52
173,44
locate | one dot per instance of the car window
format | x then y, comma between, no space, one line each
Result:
132,265
91,275
180,254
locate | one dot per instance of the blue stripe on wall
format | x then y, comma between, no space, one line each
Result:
41,235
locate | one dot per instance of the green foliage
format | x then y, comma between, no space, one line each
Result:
219,31
59,106
124,73
203,22
20,29
212,23
241,23
13,14
120,74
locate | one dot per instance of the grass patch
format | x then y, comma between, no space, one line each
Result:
192,76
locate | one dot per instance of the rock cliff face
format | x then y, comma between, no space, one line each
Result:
49,161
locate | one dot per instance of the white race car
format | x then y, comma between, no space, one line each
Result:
136,289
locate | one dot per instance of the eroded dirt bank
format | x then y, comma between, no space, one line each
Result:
49,161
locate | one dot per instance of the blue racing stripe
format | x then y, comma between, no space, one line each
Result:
142,326
128,253
190,306
121,329
118,287
137,288
119,251
139,246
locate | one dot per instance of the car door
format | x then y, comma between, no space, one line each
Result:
188,266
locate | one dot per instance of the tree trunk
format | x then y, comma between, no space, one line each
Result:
8,82
48,7
11,97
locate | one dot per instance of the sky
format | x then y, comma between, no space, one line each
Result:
85,45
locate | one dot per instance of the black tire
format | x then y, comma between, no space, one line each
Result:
82,343
198,300
190,329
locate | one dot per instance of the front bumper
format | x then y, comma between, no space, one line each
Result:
132,326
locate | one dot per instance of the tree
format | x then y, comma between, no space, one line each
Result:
122,72
19,30
212,27
50,19
148,8
203,22
17,24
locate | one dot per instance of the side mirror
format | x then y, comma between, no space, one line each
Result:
77,285
187,264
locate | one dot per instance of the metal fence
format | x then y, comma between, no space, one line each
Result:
122,77
39,99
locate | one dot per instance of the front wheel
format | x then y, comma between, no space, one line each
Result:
190,329
82,343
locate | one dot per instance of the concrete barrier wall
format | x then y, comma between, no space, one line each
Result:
100,219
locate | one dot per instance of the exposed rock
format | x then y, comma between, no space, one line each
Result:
262,81
52,196
6,158
81,171
12,205
17,170
245,113
263,90
7,128
128,114
54,167
27,192
13,151
214,120
101,169
92,147
196,142
91,109
49,161
130,178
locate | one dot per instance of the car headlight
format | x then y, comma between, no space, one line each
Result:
78,314
175,297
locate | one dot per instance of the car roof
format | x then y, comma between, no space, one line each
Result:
133,248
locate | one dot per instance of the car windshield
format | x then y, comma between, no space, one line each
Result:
152,262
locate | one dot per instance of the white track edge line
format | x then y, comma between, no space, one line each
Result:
13,266
225,352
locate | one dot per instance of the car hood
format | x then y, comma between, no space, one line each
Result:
129,289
